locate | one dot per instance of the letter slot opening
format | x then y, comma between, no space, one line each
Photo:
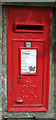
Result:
29,28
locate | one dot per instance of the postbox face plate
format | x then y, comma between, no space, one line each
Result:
28,51
27,86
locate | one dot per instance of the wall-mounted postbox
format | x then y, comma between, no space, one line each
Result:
28,51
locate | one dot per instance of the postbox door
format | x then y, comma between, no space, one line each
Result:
27,82
28,53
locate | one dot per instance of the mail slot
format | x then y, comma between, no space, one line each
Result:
28,54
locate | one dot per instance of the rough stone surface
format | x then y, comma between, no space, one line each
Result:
5,113
0,61
54,15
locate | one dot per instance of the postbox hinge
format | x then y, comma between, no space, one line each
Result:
12,83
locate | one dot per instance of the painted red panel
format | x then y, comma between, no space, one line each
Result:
28,91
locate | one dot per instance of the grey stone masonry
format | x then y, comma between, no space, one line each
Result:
3,65
54,15
0,61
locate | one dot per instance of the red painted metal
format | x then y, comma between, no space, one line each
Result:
28,92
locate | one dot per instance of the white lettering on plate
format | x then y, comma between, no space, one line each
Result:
28,60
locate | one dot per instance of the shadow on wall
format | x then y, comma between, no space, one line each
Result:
31,119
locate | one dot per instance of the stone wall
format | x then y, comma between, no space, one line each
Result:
0,61
54,16
5,113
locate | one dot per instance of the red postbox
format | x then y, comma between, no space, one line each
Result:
28,51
